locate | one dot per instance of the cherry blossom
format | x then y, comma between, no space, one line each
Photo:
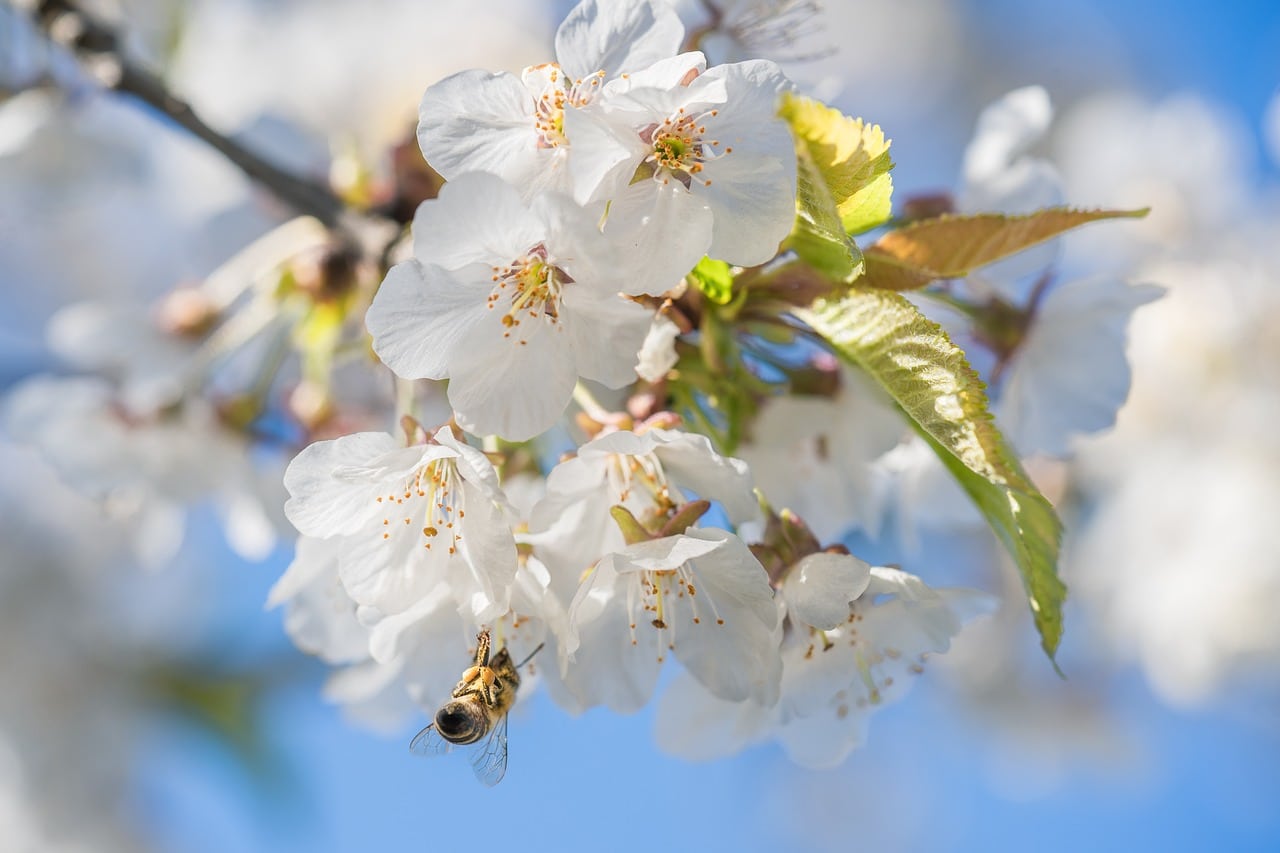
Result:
513,302
699,596
514,127
407,520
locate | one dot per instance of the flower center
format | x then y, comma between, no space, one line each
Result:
426,503
680,149
640,483
532,286
558,92
657,594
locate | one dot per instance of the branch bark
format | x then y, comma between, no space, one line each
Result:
100,44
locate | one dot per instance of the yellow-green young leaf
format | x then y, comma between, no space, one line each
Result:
842,185
818,235
954,246
714,279
930,379
852,158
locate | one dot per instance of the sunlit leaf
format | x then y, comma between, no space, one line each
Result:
930,379
953,246
715,280
843,185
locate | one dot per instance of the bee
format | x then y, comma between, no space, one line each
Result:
478,708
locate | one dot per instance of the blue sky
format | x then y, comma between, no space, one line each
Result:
1208,779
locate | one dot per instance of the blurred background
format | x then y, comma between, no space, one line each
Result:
164,708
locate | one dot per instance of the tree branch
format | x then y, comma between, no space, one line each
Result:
99,46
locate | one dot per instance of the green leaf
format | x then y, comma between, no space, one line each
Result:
930,379
954,246
842,185
715,280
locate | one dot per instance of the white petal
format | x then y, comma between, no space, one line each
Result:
1007,129
477,219
752,189
605,153
488,553
320,616
602,665
616,36
732,647
824,740
820,588
606,333
1071,375
478,121
661,230
694,724
694,464
512,391
421,316
392,574
323,506
658,351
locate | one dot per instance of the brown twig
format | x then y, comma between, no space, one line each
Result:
100,47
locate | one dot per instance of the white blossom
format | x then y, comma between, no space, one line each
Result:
855,638
1070,375
152,466
692,167
816,455
650,473
513,302
700,596
407,520
515,127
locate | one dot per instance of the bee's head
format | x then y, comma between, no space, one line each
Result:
462,722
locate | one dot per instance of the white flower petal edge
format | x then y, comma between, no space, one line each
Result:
409,519
616,36
531,303
833,678
714,144
701,596
514,127
1071,374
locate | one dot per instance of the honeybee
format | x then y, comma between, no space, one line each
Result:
478,708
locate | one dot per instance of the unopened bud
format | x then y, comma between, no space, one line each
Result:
187,312
311,405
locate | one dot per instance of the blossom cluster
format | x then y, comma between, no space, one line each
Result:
579,195
597,453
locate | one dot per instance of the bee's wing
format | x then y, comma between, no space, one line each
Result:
490,761
429,742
